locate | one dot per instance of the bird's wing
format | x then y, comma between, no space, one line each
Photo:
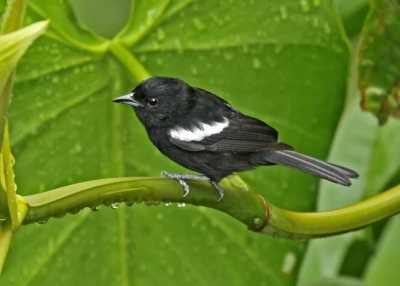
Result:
234,133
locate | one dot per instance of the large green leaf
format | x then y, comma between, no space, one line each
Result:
352,147
382,268
283,62
361,144
353,14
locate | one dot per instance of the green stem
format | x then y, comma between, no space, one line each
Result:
5,95
245,206
10,186
13,16
11,206
318,224
6,235
12,21
129,61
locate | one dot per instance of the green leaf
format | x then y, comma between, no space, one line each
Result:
382,269
352,147
281,62
379,57
359,143
383,170
64,26
353,14
14,15
337,281
103,21
12,48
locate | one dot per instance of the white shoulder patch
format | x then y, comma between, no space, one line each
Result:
196,133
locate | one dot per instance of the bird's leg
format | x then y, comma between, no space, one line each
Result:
219,189
182,177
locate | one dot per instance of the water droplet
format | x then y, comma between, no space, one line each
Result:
327,28
289,263
156,203
170,270
167,204
223,251
194,70
256,63
284,14
178,45
43,220
60,215
278,49
55,79
198,24
181,205
315,22
75,211
160,34
150,16
258,221
305,6
166,239
316,3
77,148
114,206
159,61
220,22
156,45
12,159
314,120
129,203
42,187
95,208
142,58
142,267
228,56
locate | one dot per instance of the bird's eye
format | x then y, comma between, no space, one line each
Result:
153,101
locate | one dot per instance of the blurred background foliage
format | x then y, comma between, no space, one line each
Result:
286,62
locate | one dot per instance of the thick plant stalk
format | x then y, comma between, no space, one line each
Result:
327,223
246,206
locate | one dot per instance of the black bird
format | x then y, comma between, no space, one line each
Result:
202,132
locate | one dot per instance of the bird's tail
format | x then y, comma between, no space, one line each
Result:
313,166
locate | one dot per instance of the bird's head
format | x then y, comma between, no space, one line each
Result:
159,101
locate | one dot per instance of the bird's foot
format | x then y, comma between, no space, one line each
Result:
181,179
219,189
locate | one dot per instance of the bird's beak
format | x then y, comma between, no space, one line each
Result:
128,99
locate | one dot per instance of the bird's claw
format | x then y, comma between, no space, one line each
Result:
185,187
219,189
165,174
181,179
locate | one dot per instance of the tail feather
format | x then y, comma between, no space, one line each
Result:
313,166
